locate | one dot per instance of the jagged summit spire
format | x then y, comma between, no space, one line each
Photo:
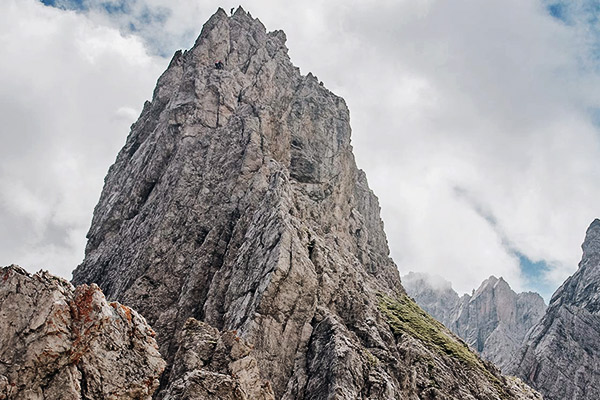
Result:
591,244
223,35
240,10
236,201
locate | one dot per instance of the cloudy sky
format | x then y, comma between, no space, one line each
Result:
478,123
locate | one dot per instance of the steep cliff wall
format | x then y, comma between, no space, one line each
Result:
561,356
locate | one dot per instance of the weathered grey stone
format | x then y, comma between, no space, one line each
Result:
57,342
236,201
494,320
213,365
561,355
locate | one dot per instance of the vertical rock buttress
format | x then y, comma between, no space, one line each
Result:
561,354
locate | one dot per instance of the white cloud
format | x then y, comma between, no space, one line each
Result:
463,113
69,89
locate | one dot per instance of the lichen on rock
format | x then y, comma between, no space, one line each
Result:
405,316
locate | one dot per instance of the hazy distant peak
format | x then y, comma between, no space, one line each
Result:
493,320
435,281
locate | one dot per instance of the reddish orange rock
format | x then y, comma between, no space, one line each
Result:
58,342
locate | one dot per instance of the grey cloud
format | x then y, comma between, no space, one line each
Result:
62,85
491,97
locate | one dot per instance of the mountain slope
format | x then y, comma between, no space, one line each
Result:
236,201
561,355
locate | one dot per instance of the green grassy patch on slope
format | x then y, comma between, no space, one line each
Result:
404,316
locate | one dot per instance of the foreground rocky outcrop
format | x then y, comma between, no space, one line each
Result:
561,355
57,342
494,320
236,201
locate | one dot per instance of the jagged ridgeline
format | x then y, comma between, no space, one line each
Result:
236,201
493,320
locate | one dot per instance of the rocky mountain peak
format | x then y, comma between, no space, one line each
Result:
582,289
485,286
590,244
236,203
561,355
224,38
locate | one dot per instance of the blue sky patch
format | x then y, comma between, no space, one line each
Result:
534,273
66,4
111,7
115,8
131,16
595,116
558,11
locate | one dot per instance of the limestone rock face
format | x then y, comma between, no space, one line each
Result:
57,342
494,320
213,365
561,355
236,201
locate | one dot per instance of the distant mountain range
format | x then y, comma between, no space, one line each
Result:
493,320
555,349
